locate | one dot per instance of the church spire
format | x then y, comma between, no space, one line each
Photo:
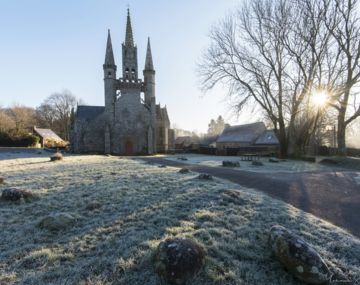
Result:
148,61
109,56
129,39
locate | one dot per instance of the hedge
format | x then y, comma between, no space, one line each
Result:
27,140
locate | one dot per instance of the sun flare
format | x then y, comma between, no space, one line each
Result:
320,98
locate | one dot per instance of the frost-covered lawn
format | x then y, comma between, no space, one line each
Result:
288,166
140,205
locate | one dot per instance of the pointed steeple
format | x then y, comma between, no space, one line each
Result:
129,39
148,61
109,56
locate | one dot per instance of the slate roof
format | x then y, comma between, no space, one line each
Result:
242,133
267,138
183,140
48,134
89,113
209,140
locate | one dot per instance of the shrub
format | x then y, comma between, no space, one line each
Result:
5,139
24,140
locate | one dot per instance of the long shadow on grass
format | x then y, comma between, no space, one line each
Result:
327,195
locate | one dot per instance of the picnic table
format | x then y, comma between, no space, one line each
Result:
250,156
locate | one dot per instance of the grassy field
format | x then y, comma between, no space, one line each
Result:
138,205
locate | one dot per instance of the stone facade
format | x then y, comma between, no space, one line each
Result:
128,124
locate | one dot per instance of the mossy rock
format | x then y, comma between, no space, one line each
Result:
298,257
205,176
229,163
93,206
57,221
177,260
184,170
182,158
56,157
257,163
16,194
329,161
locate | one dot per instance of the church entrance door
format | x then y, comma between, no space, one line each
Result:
129,148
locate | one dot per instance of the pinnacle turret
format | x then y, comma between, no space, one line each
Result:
148,61
129,38
109,56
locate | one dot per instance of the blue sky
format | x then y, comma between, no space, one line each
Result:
47,46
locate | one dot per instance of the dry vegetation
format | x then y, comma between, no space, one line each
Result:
124,208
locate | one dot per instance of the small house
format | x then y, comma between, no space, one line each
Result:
249,138
183,142
240,136
49,138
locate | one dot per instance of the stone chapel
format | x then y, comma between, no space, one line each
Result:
131,122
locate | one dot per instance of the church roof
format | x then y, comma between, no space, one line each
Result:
109,56
129,38
89,112
148,61
242,133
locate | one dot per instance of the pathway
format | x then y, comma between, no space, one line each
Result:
333,196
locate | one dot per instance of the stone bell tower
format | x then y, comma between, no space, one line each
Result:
109,78
149,95
129,54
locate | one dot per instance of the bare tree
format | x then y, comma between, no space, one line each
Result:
269,53
55,112
343,23
24,119
6,122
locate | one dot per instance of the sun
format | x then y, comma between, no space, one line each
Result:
320,98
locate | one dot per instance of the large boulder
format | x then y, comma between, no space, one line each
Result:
229,163
298,257
15,194
177,260
274,160
257,163
57,221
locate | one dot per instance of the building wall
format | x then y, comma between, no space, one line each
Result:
224,145
162,135
131,124
89,136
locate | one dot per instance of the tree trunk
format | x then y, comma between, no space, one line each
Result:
283,141
341,135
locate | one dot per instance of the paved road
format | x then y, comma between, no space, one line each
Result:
333,196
